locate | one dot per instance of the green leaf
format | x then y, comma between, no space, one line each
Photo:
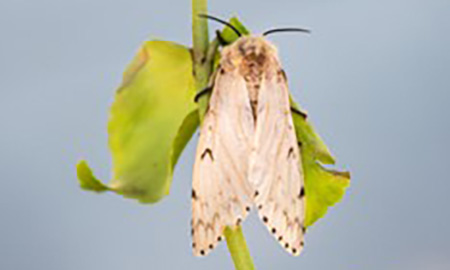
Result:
229,35
87,179
190,124
310,140
150,121
323,188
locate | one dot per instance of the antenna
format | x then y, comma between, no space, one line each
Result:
277,30
206,16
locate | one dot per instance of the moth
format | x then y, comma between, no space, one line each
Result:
248,155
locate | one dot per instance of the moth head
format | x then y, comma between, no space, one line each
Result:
250,55
248,51
253,49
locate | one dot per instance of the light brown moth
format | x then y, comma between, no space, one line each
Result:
248,155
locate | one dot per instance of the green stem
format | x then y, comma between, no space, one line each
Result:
238,249
203,57
200,39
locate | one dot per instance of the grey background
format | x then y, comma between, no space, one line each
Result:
374,76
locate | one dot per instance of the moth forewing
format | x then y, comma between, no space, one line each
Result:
276,172
222,192
248,151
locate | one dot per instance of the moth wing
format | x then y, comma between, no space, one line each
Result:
276,171
220,195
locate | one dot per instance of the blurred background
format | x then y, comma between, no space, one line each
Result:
374,77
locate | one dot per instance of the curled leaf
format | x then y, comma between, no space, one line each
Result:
145,128
323,188
87,179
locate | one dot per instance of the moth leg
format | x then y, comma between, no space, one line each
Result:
205,91
283,73
298,112
221,40
209,88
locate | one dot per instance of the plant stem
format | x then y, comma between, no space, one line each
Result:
238,249
203,58
200,39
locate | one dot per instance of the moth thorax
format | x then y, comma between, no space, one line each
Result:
252,69
253,64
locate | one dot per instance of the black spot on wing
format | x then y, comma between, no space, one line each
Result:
238,221
301,194
207,152
290,152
